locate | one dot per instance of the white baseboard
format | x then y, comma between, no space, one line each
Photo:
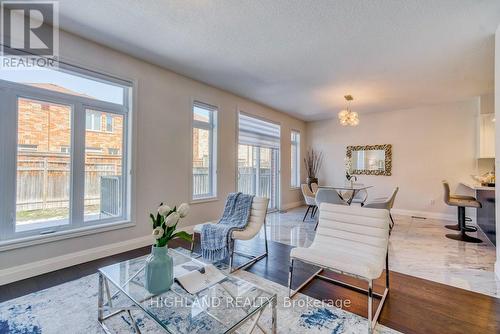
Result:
292,205
426,214
17,273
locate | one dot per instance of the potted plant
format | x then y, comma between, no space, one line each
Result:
312,162
159,269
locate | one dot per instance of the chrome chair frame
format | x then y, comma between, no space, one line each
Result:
372,319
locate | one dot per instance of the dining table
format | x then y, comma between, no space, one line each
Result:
352,187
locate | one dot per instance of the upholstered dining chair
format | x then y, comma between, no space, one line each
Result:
309,199
352,241
325,195
256,221
384,203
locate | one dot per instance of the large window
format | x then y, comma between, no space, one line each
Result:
258,158
204,182
295,159
64,155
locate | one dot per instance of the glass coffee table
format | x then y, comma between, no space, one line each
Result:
226,307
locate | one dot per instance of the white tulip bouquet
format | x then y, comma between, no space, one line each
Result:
165,223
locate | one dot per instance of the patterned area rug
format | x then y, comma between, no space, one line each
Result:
72,308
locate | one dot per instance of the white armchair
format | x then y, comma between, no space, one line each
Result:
353,241
256,221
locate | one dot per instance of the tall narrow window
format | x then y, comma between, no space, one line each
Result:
64,138
295,159
204,151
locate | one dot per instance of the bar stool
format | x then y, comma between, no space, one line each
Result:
461,202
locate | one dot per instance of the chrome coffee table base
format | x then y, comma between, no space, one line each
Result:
127,280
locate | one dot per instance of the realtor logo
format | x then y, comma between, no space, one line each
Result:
29,33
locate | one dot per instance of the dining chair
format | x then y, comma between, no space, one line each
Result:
325,195
309,199
384,203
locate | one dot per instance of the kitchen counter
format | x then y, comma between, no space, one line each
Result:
485,216
476,186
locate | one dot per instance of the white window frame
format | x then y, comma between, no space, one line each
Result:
211,126
295,170
10,92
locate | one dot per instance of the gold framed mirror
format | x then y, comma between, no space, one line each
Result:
370,159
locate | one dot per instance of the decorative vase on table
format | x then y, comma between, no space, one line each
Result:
159,269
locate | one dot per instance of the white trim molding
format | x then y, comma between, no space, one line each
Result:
497,269
61,235
429,215
28,270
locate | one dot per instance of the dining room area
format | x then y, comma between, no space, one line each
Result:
408,178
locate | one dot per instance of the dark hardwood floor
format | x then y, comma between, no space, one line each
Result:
413,305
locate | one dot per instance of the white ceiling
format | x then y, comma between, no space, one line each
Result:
302,56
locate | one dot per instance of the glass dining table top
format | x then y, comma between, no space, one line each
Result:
346,186
217,309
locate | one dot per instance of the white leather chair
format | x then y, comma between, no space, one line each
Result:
353,241
310,200
256,221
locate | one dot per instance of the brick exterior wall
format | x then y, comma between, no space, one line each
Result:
44,139
200,148
48,127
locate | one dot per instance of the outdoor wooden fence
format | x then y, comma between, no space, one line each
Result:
45,183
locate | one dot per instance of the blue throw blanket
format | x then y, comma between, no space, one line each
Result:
215,238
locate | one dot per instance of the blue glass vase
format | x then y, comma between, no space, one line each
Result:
159,270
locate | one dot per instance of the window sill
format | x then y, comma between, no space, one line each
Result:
294,188
204,200
61,235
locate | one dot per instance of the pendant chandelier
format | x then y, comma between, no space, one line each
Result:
348,117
